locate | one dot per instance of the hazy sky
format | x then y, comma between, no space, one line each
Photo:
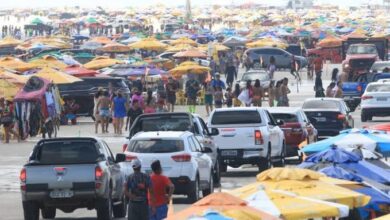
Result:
126,3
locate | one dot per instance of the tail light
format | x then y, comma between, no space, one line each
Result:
341,117
366,97
130,158
23,177
359,88
258,138
124,147
98,177
181,157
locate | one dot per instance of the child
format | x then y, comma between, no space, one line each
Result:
218,97
229,97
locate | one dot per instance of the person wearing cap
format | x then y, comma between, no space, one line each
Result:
163,190
138,186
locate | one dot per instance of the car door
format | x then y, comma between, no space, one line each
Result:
274,131
201,158
208,140
283,57
115,170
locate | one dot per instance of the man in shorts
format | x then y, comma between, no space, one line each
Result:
103,106
171,89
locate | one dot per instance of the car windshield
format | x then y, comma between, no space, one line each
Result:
163,123
156,146
286,117
378,88
362,49
236,117
67,152
89,83
254,76
321,104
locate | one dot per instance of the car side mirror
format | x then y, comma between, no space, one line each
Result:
279,122
214,132
207,150
120,158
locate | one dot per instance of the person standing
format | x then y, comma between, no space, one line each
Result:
271,67
236,93
95,109
192,89
150,105
213,66
7,118
257,93
103,107
271,94
217,82
318,88
162,189
230,70
137,95
338,90
229,97
318,64
284,91
247,94
134,111
218,97
208,97
335,75
119,107
293,68
171,89
138,186
329,90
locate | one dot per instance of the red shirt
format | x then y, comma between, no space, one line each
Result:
317,64
160,184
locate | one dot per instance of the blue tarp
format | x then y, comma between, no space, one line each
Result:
340,173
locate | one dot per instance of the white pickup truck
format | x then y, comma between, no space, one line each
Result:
248,135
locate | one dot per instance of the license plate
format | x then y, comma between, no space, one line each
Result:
251,153
229,153
57,194
381,99
320,119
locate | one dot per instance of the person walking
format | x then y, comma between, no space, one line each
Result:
7,118
335,75
218,97
103,108
138,187
284,91
247,94
271,67
150,105
271,94
230,70
318,88
257,93
192,89
162,192
318,64
329,90
171,89
119,109
293,67
217,82
208,97
338,90
229,97
134,111
236,93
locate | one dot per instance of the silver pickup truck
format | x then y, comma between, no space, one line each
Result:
71,173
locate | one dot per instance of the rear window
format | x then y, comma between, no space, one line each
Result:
156,146
379,88
162,123
236,117
67,152
285,117
88,83
321,104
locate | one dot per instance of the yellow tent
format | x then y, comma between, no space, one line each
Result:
184,40
9,42
148,44
56,76
101,62
49,61
16,64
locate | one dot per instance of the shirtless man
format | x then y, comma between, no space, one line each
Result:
103,108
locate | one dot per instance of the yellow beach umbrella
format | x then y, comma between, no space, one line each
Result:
148,44
9,42
101,62
115,48
194,68
330,41
179,47
267,42
8,89
16,64
15,78
49,61
102,40
184,40
56,76
216,47
192,53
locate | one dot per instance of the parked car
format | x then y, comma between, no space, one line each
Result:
180,121
252,75
247,135
376,101
184,160
83,91
296,126
282,57
328,115
72,173
378,66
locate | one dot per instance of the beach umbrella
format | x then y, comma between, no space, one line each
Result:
192,53
287,205
330,41
148,44
79,71
101,62
49,61
9,42
179,47
102,40
188,67
221,203
36,21
8,89
131,40
215,46
184,40
56,76
91,45
114,48
12,77
370,140
234,42
16,64
267,42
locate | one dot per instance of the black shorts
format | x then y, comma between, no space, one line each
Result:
171,99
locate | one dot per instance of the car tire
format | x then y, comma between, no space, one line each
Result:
194,195
223,167
265,163
48,212
104,208
31,210
120,210
282,158
363,117
210,189
217,175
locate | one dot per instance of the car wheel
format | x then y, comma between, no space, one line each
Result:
223,167
265,163
217,174
194,195
104,208
282,159
120,210
48,212
210,189
363,117
31,210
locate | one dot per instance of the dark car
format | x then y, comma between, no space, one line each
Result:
83,92
282,57
328,115
252,75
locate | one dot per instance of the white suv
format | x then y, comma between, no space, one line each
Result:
375,100
184,160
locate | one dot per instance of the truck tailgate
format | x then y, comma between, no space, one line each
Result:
352,89
236,137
